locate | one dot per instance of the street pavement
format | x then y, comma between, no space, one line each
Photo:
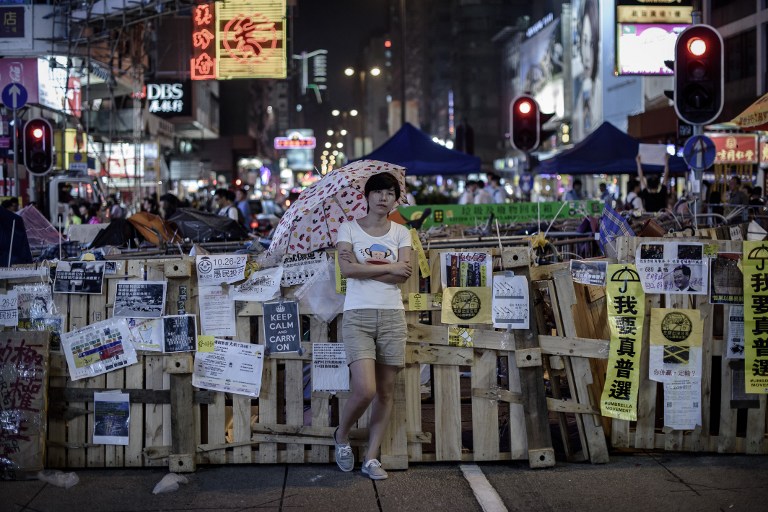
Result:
643,482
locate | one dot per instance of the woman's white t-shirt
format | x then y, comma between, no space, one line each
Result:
373,250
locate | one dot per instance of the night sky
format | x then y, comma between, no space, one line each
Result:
342,27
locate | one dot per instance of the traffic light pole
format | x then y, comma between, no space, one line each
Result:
16,135
698,174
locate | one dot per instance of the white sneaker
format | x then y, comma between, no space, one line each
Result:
345,459
373,469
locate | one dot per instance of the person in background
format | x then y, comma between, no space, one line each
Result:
575,194
149,205
225,204
73,217
737,198
756,197
483,196
169,203
241,201
653,191
94,212
11,204
375,257
468,196
633,200
115,210
496,189
605,195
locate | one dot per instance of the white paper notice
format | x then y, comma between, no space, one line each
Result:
9,309
653,154
111,418
297,268
232,367
220,268
510,302
673,267
261,286
217,311
98,348
682,404
329,367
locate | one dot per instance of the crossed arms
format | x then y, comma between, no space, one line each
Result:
393,273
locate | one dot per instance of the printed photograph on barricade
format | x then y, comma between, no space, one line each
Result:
232,367
735,333
35,300
140,299
298,268
673,267
79,277
282,326
111,418
179,333
329,367
675,349
726,281
589,272
147,333
98,348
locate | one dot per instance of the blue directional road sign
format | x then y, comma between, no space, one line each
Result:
14,96
699,152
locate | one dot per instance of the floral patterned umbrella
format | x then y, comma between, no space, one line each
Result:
312,221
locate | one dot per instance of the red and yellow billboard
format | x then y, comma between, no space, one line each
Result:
735,148
239,39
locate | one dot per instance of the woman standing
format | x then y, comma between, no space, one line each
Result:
374,256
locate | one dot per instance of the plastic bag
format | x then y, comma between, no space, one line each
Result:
319,296
58,478
169,483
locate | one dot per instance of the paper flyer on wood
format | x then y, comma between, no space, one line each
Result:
220,268
111,418
329,367
260,286
232,367
217,311
98,348
676,340
510,302
673,267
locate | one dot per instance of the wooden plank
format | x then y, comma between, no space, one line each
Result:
394,446
700,434
97,312
114,455
183,429
447,412
294,405
267,453
451,356
673,440
77,427
153,413
645,430
241,407
217,428
134,379
485,412
518,438
320,402
728,416
756,440
413,414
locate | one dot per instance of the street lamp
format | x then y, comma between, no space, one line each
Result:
366,141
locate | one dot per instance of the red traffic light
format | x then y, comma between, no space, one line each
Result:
525,123
697,46
38,146
699,73
524,107
36,132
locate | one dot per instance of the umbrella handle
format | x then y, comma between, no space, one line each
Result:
761,265
623,288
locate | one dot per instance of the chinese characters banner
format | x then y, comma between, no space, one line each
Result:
250,39
203,65
735,149
626,313
755,316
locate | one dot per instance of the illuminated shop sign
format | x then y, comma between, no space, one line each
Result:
239,39
295,141
169,99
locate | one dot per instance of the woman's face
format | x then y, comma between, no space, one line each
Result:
586,47
382,199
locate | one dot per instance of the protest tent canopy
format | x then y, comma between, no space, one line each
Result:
420,155
607,150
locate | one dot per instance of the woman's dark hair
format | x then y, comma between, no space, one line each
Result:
382,181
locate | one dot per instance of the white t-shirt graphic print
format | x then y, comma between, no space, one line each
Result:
373,250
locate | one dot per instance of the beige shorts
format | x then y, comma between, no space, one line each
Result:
378,334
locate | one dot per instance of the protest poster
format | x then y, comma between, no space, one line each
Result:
9,309
111,418
465,269
179,333
682,404
98,348
140,299
217,311
626,312
510,302
726,281
220,268
755,316
261,285
282,326
673,267
676,340
589,272
734,333
54,324
23,271
35,300
79,277
232,367
329,367
467,305
147,333
298,268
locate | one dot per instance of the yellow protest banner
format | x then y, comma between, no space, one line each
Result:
469,305
626,312
205,343
416,245
755,273
341,281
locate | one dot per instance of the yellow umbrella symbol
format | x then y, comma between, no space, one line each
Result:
760,254
625,275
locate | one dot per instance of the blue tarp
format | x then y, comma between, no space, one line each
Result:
415,150
607,150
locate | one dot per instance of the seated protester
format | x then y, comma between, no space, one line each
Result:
653,191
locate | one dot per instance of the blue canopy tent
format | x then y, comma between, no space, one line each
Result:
417,152
607,150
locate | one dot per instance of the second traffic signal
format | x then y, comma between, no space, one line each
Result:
699,74
38,146
525,123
